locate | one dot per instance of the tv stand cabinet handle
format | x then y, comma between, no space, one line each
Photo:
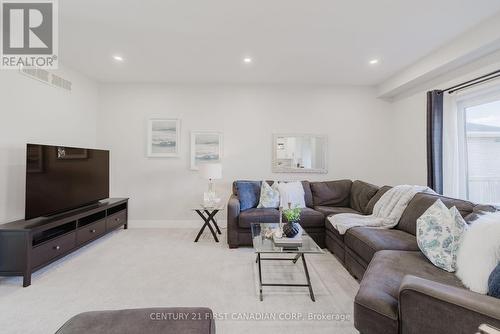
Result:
92,231
57,247
117,219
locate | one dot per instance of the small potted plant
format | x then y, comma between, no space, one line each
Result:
291,217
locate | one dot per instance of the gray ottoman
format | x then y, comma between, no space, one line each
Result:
182,320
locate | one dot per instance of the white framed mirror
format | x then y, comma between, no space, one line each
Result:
300,153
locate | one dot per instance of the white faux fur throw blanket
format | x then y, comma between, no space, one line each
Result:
386,212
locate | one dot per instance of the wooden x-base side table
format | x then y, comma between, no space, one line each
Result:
208,216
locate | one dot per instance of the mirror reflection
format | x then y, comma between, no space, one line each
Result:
299,153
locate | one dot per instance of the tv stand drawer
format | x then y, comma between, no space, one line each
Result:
116,220
91,231
52,249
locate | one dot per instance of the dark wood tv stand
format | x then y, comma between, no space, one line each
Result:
28,245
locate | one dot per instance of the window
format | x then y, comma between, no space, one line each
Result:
481,140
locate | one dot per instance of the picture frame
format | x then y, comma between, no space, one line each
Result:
163,137
206,147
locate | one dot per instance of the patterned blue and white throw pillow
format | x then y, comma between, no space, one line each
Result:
439,233
269,196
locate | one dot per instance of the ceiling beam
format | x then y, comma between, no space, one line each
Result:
468,47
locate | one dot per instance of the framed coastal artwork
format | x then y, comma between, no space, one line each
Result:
163,137
206,148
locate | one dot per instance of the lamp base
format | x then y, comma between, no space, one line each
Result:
210,199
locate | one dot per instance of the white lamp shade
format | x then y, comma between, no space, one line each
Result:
211,171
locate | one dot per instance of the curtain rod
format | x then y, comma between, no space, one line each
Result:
475,81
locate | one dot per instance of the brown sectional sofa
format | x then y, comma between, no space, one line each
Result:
400,290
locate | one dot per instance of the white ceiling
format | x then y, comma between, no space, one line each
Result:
291,41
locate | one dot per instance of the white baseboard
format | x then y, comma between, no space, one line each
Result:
176,223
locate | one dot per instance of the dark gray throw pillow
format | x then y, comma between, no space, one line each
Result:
494,282
248,194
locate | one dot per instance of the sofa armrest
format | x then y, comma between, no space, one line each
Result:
233,211
426,306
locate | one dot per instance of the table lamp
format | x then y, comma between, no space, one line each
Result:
211,172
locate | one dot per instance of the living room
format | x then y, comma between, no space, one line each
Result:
344,134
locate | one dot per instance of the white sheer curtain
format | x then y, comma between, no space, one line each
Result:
454,157
455,178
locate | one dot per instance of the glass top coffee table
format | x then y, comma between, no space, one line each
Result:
263,245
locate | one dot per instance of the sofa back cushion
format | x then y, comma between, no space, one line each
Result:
478,211
331,193
421,202
375,198
361,194
308,196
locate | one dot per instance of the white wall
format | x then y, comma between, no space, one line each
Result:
409,113
32,111
370,139
164,189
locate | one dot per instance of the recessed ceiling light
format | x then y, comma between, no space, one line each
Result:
373,61
118,58
247,60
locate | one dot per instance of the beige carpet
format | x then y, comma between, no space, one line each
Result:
163,267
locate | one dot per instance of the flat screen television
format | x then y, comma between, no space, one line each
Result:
61,178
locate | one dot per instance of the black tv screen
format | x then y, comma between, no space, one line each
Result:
60,178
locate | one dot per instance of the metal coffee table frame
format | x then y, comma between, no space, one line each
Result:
266,246
259,260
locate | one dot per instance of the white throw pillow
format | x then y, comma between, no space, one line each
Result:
479,252
269,196
439,233
291,193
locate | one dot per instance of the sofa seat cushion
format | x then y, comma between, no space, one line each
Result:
333,231
258,215
311,218
379,290
365,242
334,210
328,211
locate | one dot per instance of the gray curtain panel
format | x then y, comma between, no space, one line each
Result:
435,140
